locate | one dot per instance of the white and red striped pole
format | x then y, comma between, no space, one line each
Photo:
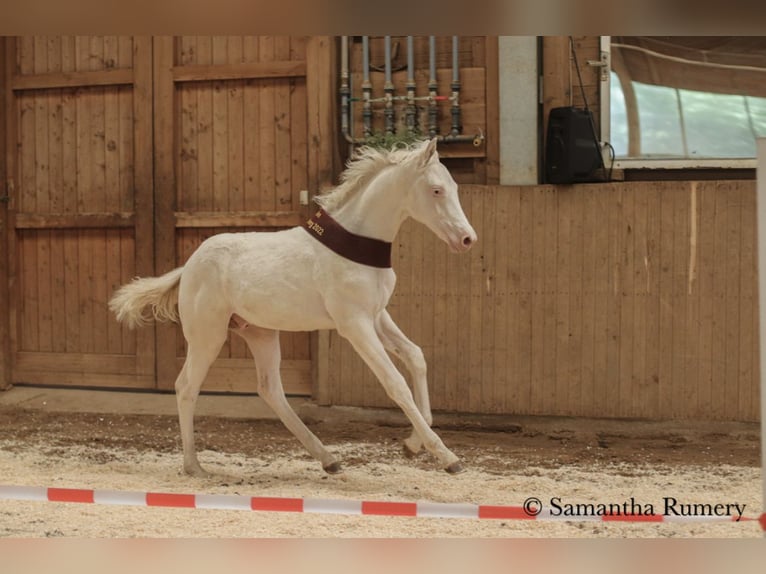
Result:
330,506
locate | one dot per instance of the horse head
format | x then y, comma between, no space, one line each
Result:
432,199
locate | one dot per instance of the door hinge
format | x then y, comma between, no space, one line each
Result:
603,63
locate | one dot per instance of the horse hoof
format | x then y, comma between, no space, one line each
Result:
333,468
197,472
455,468
408,452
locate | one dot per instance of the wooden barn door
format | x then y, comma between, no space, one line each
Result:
242,125
79,179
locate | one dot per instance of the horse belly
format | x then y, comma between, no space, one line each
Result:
271,284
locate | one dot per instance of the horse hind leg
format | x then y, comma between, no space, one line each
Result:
264,345
203,348
396,342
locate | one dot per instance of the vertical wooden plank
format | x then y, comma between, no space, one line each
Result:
573,381
521,319
13,163
590,301
205,186
85,288
164,187
755,386
190,129
101,192
29,285
298,126
640,295
649,391
320,86
41,241
679,291
615,284
100,295
220,141
706,246
41,130
96,115
251,119
666,300
538,334
627,296
492,102
112,283
746,407
718,357
596,402
564,369
438,369
690,391
141,259
6,165
282,118
29,336
504,294
459,387
267,130
419,267
44,288
491,400
549,260
476,334
235,131
111,129
733,286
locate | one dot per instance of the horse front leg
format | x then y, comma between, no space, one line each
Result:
396,342
264,345
362,335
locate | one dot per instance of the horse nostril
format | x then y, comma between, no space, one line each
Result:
467,240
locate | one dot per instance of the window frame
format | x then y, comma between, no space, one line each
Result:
653,163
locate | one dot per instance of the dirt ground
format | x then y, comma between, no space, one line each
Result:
507,459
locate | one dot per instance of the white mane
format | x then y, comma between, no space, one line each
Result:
366,163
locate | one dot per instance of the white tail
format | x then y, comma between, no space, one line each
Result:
159,293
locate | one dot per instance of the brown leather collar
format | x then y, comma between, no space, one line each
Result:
357,248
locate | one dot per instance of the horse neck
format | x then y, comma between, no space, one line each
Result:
377,210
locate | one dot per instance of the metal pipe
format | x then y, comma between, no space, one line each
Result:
457,127
433,127
345,89
476,139
411,112
366,88
388,88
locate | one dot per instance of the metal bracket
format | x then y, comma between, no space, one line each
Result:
8,191
603,63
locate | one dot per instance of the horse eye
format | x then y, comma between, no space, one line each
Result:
437,191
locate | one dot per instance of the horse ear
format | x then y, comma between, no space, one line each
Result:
428,152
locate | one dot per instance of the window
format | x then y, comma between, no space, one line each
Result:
684,101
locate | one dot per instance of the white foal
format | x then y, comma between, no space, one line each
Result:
332,273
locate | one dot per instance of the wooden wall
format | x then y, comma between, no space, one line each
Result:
77,110
237,126
619,300
119,156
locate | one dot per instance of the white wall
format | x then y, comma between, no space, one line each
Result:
518,79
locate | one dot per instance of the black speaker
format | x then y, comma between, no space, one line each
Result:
571,152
